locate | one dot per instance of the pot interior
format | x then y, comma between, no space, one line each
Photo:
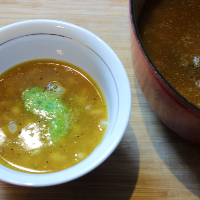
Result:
135,9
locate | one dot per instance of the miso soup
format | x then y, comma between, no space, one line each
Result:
53,115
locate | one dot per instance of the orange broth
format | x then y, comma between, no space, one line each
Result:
28,147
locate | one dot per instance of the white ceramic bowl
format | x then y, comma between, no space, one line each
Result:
60,40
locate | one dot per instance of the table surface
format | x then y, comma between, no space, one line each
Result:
151,162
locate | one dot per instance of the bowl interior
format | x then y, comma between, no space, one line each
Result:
58,47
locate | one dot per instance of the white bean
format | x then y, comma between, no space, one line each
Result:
12,127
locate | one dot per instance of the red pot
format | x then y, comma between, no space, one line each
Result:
175,111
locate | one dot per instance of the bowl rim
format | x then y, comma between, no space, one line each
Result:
137,35
57,177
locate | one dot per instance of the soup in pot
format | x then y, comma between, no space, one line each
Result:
170,33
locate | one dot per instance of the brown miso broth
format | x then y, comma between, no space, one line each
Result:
53,115
170,33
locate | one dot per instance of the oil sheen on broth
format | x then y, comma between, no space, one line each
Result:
170,32
53,115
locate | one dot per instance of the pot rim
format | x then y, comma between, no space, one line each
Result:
137,35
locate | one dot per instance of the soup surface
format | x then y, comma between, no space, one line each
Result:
53,115
170,32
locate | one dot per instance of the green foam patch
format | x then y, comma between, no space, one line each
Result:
50,107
